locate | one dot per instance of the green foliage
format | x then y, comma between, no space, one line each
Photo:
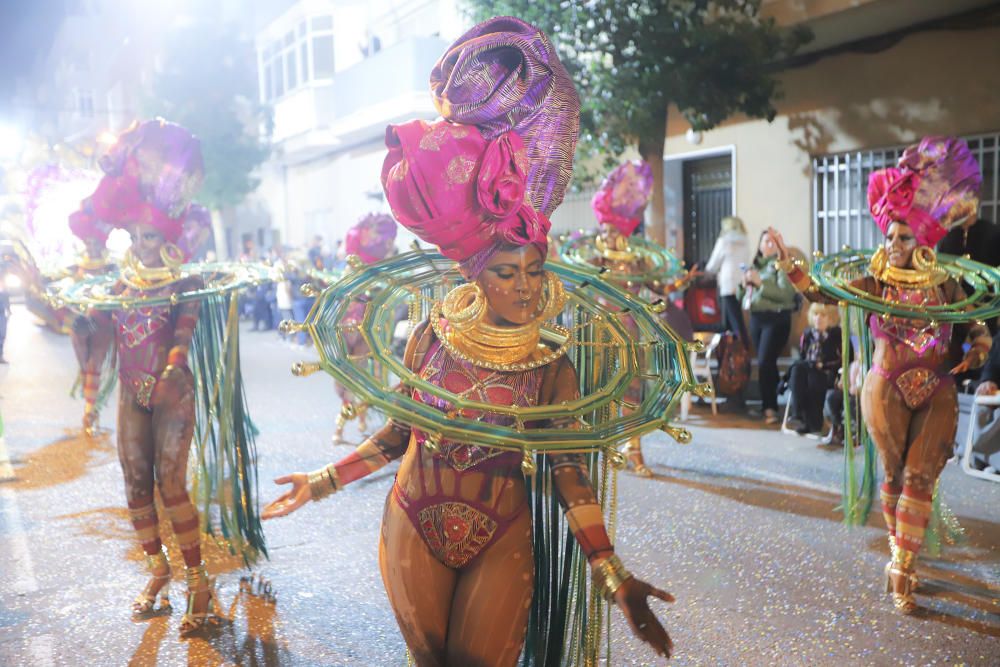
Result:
631,60
208,84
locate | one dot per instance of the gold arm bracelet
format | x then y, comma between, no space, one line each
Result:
323,482
609,576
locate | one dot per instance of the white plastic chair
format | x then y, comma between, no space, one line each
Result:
967,467
701,368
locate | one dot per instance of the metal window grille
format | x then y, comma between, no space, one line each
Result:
840,185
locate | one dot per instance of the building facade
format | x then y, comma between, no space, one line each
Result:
335,73
880,74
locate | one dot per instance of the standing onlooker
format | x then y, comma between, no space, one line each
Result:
730,254
283,295
815,372
315,254
4,314
772,301
985,419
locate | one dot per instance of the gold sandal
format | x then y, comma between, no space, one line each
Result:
145,602
91,422
198,582
901,581
633,452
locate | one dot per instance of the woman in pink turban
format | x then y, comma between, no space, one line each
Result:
908,399
151,173
371,239
619,205
456,540
91,345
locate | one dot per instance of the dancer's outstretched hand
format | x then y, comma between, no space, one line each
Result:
290,500
779,242
631,598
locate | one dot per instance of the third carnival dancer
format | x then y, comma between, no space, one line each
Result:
92,346
455,546
151,174
618,206
909,400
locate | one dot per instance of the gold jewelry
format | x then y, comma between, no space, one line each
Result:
171,255
324,482
621,253
609,576
786,264
139,276
88,263
925,272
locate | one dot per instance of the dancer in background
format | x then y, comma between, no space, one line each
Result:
909,399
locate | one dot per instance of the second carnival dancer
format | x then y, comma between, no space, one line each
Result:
92,346
151,174
371,239
909,400
618,206
455,548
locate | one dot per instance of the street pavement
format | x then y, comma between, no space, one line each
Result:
740,526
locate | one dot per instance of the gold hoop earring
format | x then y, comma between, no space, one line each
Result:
171,255
464,306
553,297
924,258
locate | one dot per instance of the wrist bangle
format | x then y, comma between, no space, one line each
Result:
323,482
609,575
177,356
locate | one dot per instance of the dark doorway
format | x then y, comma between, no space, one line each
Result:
708,198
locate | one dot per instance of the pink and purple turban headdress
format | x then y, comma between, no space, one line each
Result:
935,188
86,225
623,195
150,176
371,238
491,172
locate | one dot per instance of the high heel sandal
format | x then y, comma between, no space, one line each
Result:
633,452
91,422
198,582
901,581
146,600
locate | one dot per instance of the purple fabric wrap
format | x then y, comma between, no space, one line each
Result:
170,167
372,237
623,195
504,75
949,179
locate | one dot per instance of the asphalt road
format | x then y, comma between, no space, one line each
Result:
740,526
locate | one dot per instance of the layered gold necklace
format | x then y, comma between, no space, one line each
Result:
926,272
471,338
137,275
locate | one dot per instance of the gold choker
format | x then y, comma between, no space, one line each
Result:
471,338
925,274
622,253
137,275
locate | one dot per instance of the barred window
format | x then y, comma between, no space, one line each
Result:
840,187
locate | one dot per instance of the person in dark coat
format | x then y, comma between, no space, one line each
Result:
811,376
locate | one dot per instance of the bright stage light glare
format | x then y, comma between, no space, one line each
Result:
107,138
11,142
12,281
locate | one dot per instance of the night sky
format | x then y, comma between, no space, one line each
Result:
26,30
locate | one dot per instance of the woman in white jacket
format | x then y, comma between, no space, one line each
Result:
729,259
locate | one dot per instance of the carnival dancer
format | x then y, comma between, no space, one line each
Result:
908,400
455,548
371,239
618,206
91,345
151,174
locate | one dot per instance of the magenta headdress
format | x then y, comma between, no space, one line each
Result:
372,237
491,172
935,188
86,225
151,174
623,195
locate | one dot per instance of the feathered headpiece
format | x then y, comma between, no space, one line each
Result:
935,188
151,174
372,237
623,196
